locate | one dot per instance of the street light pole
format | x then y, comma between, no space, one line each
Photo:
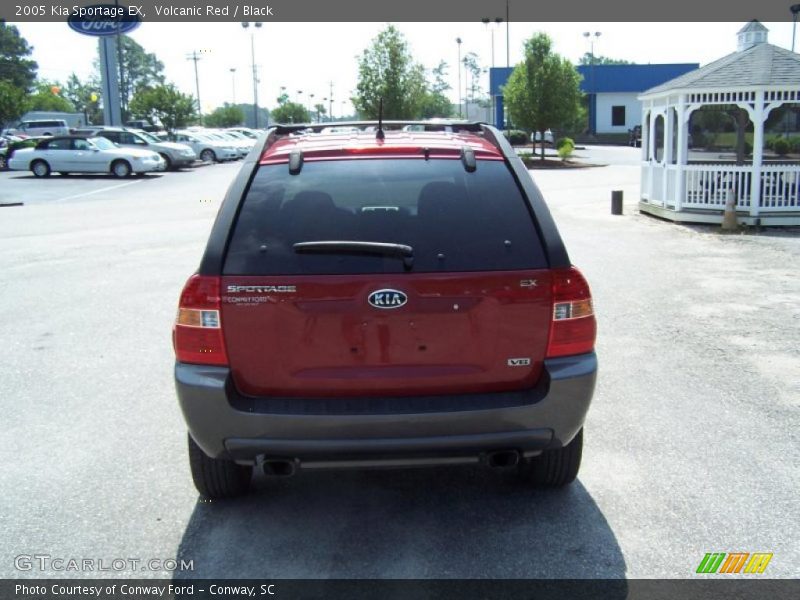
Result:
233,83
256,25
593,96
508,38
458,68
195,59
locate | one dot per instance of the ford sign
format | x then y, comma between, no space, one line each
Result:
387,298
103,19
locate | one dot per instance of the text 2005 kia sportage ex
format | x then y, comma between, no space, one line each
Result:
383,298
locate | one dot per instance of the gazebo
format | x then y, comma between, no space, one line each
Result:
684,181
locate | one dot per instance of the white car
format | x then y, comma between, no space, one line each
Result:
245,131
42,127
243,145
78,154
548,137
208,149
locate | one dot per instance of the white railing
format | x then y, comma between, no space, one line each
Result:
707,186
671,174
780,188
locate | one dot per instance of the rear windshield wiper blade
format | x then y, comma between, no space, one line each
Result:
353,247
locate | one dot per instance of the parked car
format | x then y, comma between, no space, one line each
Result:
635,137
242,145
83,154
536,137
383,302
41,128
175,155
206,148
245,131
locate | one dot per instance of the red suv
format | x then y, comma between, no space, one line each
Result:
383,298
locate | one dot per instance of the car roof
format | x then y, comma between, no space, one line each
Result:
365,144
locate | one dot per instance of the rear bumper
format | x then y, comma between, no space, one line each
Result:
226,427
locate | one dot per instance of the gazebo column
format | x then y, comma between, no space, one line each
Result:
683,152
651,154
668,133
758,117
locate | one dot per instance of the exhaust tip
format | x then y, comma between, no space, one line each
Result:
503,459
279,468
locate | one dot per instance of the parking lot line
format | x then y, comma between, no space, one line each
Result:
105,189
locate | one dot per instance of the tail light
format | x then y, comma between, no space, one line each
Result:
197,336
574,328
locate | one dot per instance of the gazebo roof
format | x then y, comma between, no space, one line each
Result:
760,65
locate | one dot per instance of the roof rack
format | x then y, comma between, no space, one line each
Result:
487,131
457,125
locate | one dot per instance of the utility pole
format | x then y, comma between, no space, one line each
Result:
330,102
256,25
508,38
458,68
233,83
195,59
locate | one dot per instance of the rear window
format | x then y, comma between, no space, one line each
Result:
453,220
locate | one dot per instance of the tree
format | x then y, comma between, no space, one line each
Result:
543,91
472,77
586,59
48,98
320,110
225,116
137,69
436,103
290,112
15,67
13,103
85,97
386,70
164,104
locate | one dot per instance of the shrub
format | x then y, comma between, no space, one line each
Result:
564,141
699,140
517,137
781,146
794,143
565,147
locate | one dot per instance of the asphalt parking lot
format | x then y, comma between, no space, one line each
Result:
691,444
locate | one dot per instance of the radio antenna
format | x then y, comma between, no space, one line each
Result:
379,134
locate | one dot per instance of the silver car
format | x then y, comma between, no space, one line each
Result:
242,146
208,149
174,155
79,154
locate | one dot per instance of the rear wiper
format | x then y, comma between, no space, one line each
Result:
352,247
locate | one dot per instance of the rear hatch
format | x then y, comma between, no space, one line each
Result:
411,277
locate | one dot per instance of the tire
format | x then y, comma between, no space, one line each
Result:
554,468
208,155
215,477
120,168
40,168
168,161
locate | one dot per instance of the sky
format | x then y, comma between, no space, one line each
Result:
307,57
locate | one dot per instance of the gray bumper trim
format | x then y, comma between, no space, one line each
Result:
549,418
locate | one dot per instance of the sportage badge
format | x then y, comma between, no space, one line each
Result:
387,298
